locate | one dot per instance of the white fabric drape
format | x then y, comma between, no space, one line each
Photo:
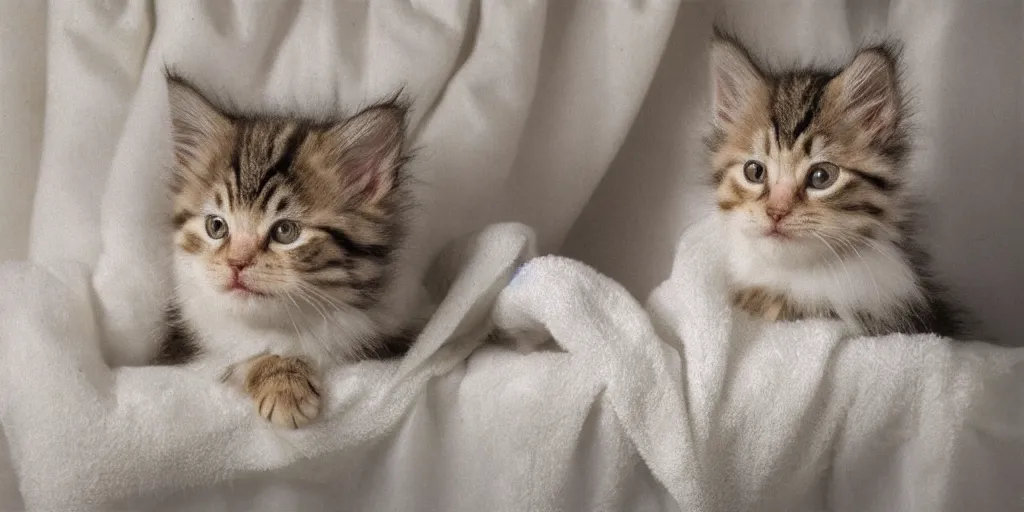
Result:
581,119
963,59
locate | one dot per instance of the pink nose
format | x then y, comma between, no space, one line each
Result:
777,213
239,265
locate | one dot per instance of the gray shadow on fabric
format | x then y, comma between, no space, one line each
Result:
642,193
975,211
10,496
583,490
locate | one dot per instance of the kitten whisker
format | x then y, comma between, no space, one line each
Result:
298,334
879,248
910,307
338,304
871,272
839,258
329,353
312,300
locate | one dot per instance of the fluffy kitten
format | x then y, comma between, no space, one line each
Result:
286,238
809,170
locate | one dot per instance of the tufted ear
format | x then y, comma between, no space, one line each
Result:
737,85
867,94
369,148
195,122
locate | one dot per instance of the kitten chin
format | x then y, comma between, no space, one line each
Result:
809,169
229,328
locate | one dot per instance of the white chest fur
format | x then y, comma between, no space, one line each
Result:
874,279
229,332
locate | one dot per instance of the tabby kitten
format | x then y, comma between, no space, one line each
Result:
286,239
809,169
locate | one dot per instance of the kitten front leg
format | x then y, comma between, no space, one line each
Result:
285,390
765,304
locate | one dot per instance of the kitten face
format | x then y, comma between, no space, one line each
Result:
808,168
278,213
807,163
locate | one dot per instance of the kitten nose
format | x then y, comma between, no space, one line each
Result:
777,213
242,252
239,265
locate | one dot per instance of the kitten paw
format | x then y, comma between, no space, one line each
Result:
284,389
764,304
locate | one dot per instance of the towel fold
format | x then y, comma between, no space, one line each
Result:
791,416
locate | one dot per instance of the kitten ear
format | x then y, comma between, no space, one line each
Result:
737,84
194,120
370,148
867,95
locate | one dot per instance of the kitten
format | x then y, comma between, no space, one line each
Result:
809,169
287,234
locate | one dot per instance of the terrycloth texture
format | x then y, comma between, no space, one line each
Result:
519,108
788,416
495,127
432,432
754,417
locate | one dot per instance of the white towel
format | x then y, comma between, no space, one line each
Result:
753,417
789,416
783,417
545,431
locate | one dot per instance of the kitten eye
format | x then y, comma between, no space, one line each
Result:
822,176
285,232
754,171
216,227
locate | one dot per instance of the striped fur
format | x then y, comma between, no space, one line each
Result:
330,294
844,250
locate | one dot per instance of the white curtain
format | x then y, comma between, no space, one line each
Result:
522,109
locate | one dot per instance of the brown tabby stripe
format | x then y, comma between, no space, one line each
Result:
763,303
264,152
773,305
796,102
808,145
733,194
181,217
192,244
339,237
268,194
719,172
395,345
865,207
181,344
230,193
286,158
282,205
282,384
879,182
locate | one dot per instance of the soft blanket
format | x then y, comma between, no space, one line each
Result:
501,431
519,109
609,417
791,416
